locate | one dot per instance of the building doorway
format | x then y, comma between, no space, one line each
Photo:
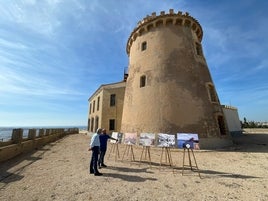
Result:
221,125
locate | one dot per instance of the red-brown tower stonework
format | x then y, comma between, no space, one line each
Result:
169,88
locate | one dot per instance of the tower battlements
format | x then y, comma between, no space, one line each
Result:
153,20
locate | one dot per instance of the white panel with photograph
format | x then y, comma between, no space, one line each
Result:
188,140
147,139
130,138
117,135
166,140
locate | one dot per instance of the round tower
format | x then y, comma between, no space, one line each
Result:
169,88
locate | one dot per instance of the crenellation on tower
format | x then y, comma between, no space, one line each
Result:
153,20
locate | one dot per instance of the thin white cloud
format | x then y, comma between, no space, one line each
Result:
11,44
263,65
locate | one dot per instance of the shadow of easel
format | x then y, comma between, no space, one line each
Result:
114,150
193,167
146,151
167,155
129,152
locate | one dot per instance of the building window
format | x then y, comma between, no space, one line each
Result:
92,123
198,49
90,108
142,81
98,104
112,100
97,123
212,93
144,46
88,125
112,124
93,106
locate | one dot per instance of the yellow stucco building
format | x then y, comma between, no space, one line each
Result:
106,107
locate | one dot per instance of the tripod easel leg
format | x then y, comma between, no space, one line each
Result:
149,155
196,163
168,158
183,161
126,150
114,150
141,154
132,153
111,150
117,152
146,150
189,157
129,150
190,161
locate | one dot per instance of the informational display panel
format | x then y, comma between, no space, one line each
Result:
147,139
188,140
117,135
165,140
130,138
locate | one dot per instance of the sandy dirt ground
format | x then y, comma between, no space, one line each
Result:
60,171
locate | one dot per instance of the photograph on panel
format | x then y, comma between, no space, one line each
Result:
147,139
117,135
166,140
130,138
188,140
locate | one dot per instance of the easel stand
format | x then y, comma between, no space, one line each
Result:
146,151
168,158
114,150
190,161
129,151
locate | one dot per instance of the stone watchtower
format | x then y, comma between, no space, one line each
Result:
169,88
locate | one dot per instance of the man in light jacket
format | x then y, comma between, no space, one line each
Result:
95,148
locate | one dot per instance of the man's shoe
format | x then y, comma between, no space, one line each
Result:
103,165
98,174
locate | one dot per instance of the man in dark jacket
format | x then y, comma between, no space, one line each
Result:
103,147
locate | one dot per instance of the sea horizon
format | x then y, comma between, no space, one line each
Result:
6,131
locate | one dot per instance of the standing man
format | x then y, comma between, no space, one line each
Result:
95,148
103,147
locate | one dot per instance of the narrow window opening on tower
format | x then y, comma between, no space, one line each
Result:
112,100
212,93
112,124
142,81
90,108
198,48
144,46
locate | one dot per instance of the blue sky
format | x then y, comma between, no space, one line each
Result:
55,53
